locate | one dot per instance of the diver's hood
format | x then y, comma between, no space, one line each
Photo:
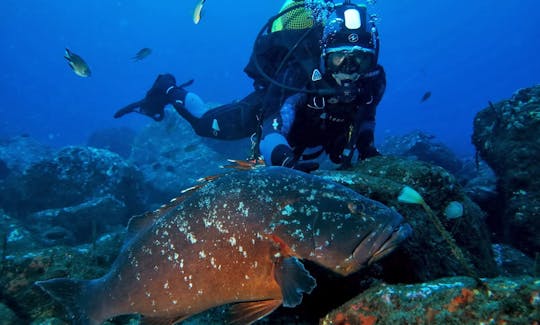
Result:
348,28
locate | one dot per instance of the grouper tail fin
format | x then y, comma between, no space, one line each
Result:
75,296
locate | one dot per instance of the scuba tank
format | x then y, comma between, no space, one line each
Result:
324,10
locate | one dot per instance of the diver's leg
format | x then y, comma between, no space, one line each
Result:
189,105
227,122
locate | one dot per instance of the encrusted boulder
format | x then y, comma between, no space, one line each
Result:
75,195
80,223
172,157
21,269
424,147
15,237
507,137
512,262
454,300
425,255
118,140
19,153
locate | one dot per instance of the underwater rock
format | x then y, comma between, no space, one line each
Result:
14,236
380,178
78,224
172,157
482,188
445,301
19,153
512,262
507,136
425,255
421,146
72,176
117,140
8,316
56,235
22,269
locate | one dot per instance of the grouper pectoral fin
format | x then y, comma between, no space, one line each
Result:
244,313
294,280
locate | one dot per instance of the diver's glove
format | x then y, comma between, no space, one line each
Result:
153,104
282,155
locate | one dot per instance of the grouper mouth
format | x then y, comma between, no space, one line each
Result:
375,245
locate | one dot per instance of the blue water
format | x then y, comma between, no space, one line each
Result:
465,52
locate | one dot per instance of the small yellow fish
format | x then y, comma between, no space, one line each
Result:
142,54
197,13
77,64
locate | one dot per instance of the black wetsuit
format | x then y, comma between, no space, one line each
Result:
342,126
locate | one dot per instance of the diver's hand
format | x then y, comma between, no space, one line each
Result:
283,155
303,166
306,167
153,104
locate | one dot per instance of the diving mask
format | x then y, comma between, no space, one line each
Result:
350,60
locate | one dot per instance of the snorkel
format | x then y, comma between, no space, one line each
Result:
327,8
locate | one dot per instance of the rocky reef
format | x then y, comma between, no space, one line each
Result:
63,214
507,137
172,157
444,301
117,140
74,193
425,256
419,145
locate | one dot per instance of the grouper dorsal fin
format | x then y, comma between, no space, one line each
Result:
294,280
139,222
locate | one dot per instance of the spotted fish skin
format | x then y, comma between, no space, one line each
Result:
226,243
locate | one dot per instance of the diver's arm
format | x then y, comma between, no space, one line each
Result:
365,142
275,147
377,85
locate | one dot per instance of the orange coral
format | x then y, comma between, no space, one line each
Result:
466,297
367,319
340,319
431,313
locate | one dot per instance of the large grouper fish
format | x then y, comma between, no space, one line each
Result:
240,239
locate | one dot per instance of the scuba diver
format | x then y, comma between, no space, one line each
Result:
317,84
